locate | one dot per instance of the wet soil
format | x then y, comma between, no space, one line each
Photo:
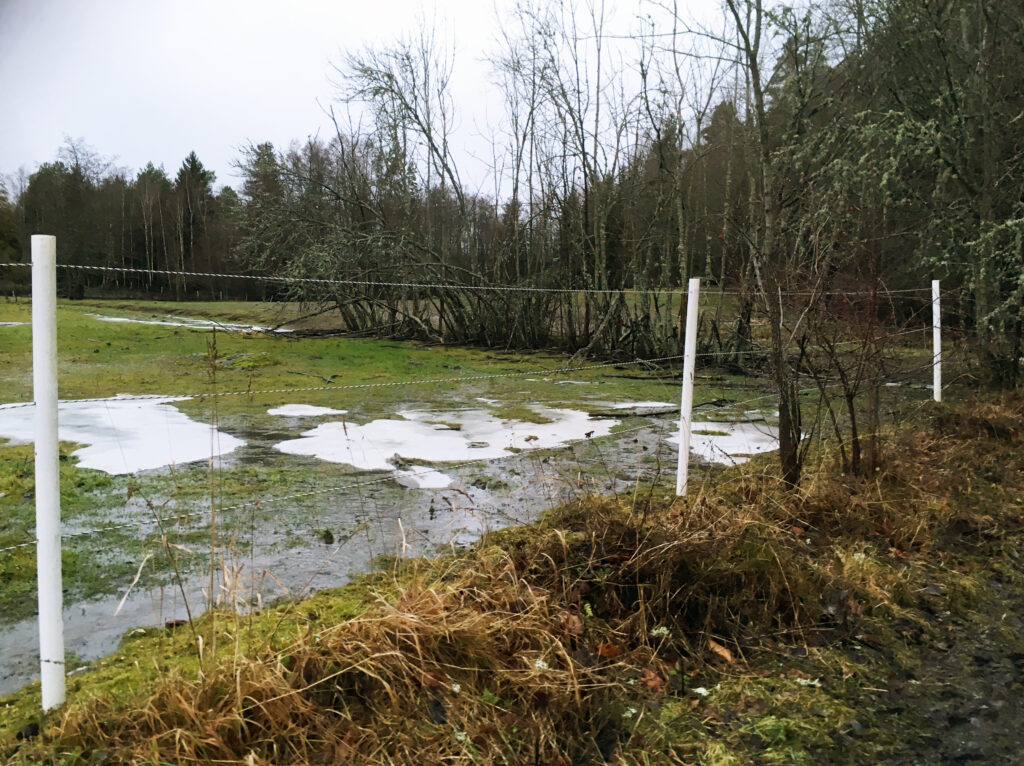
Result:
965,702
946,687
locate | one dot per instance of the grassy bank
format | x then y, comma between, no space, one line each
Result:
744,624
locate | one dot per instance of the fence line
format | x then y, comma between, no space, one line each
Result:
199,396
350,386
455,379
451,286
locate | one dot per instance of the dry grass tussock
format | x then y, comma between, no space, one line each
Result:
547,645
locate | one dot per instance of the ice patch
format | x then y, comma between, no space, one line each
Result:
422,477
642,409
125,436
195,324
417,437
303,411
641,405
730,443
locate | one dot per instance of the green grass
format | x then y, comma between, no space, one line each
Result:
520,412
103,358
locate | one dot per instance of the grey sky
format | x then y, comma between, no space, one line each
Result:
150,81
155,80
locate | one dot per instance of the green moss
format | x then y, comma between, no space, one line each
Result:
772,713
447,424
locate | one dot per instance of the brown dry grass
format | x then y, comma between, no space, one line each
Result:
540,645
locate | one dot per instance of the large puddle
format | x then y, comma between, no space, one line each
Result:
473,470
193,323
442,437
304,411
126,436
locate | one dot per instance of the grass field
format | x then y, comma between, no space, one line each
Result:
104,358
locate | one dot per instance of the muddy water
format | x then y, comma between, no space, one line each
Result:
321,541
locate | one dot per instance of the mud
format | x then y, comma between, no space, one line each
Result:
963,701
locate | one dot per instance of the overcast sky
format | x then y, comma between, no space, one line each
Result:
148,80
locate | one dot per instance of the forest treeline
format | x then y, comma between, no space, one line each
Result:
869,146
105,216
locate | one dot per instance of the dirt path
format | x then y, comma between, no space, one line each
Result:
968,696
952,693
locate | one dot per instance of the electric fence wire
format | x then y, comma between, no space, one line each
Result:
351,386
200,396
451,286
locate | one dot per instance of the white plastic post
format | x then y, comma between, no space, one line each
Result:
936,343
686,404
44,383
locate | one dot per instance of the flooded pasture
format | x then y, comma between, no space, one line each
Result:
306,491
415,484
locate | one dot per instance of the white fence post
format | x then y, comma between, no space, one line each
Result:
936,343
686,404
44,384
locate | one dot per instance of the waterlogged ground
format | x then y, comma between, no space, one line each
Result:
124,436
430,447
